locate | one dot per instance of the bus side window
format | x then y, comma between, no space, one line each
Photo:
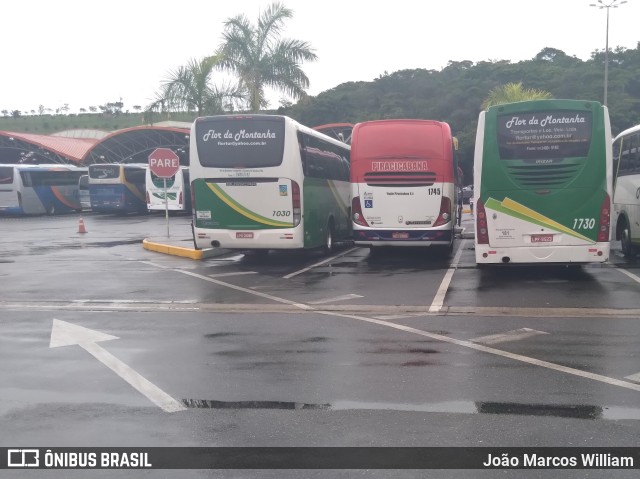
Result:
634,153
616,158
26,178
303,153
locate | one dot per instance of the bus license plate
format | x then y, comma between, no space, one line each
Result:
542,238
244,235
400,235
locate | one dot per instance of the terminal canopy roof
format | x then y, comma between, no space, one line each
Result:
30,149
134,145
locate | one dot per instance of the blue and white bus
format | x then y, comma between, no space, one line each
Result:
118,187
39,189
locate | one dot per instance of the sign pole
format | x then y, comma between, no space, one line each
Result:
164,163
166,205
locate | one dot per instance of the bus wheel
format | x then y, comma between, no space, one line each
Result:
628,249
329,242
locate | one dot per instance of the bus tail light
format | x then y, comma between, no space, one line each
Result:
482,232
445,212
148,198
297,209
605,220
356,210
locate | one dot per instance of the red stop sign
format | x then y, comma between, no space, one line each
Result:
164,163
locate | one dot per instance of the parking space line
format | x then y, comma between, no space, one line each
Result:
634,377
304,270
244,290
494,351
388,317
634,277
438,337
344,297
237,273
513,335
438,300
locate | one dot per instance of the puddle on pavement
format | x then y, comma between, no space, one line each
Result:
451,407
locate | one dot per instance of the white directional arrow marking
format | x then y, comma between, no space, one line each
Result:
67,334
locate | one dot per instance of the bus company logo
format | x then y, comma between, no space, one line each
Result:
101,173
23,458
399,166
283,190
238,135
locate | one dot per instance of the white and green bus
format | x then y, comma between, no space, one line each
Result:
626,196
262,182
543,183
178,193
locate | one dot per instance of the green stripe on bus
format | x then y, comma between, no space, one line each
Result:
243,211
517,210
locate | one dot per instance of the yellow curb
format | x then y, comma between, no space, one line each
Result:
172,250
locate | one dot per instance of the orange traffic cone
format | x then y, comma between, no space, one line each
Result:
81,228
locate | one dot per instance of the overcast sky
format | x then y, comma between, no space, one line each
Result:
90,53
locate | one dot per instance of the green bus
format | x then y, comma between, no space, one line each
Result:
262,182
543,183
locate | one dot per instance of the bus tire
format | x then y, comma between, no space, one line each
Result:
628,249
330,237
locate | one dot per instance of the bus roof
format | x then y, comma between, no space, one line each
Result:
633,129
48,167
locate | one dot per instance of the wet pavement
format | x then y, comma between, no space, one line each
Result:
296,349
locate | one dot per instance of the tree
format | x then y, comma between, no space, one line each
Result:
513,92
190,88
260,58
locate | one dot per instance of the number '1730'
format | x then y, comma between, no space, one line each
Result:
584,223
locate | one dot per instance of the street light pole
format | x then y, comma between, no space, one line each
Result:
601,5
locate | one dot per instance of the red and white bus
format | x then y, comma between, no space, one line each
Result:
403,183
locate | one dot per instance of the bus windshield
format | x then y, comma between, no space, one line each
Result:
240,142
544,135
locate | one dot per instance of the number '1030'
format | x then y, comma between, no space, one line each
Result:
584,223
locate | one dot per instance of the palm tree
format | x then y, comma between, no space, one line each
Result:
260,58
190,88
513,92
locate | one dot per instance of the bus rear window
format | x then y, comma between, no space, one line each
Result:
544,135
251,142
103,172
6,175
403,140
